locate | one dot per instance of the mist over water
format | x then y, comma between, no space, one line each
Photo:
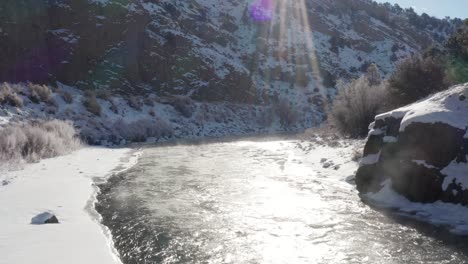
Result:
257,202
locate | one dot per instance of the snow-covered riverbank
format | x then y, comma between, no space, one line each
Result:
65,187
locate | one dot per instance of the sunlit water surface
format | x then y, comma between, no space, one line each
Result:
258,202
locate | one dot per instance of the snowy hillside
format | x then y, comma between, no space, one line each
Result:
248,66
240,51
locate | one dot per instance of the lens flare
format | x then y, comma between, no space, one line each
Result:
262,10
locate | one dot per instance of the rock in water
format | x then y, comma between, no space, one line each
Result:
44,218
421,148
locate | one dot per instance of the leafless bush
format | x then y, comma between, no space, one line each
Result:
149,101
37,140
141,130
184,105
40,93
356,105
91,104
135,103
67,97
287,114
104,94
9,96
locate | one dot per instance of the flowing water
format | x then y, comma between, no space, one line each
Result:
271,201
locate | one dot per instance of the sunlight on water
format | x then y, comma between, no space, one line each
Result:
254,202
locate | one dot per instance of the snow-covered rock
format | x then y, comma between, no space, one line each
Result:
426,160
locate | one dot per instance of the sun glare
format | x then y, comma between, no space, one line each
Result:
292,20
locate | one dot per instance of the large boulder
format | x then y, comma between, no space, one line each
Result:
421,149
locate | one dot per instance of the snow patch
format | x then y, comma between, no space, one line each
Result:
370,159
424,163
455,172
440,214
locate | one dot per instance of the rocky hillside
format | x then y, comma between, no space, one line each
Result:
238,51
420,150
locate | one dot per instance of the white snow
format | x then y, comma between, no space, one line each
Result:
370,159
424,163
62,186
455,172
453,216
444,107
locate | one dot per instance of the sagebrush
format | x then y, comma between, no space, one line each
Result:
40,93
9,96
36,140
91,104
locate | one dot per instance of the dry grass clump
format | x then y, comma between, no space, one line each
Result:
37,140
91,104
40,93
9,97
184,105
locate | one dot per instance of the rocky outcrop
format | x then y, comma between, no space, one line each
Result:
421,149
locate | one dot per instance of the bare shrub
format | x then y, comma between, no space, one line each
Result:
37,140
287,114
104,94
356,105
135,103
141,130
9,96
91,104
40,93
149,101
184,105
67,97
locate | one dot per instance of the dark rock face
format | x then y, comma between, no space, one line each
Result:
413,160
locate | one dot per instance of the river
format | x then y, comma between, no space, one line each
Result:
258,201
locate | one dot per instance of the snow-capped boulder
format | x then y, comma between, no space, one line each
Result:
422,148
44,218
